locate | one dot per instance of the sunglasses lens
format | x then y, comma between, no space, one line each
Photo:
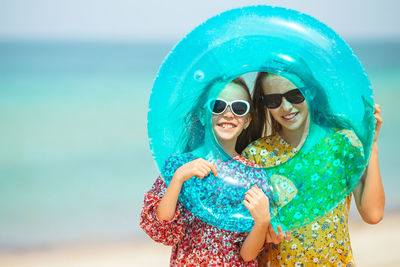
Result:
275,100
218,106
294,96
239,108
272,100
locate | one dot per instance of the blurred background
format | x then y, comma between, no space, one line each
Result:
75,80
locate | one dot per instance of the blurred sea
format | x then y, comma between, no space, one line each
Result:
74,158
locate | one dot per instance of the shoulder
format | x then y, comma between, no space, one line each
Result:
262,143
350,138
344,143
268,140
349,135
270,144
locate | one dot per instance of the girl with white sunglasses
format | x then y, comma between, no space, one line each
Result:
167,221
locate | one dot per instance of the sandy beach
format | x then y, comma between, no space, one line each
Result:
373,245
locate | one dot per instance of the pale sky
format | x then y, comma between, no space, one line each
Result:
170,20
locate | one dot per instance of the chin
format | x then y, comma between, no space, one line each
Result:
225,137
292,126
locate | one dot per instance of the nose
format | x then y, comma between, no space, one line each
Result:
286,105
228,112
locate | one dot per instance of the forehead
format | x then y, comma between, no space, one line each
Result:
232,92
275,84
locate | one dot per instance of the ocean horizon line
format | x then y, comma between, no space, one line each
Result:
140,41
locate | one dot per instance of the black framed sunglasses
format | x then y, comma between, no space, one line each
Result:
275,100
219,105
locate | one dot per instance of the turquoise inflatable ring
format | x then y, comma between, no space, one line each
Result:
309,54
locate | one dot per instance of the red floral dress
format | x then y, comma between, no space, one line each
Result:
195,243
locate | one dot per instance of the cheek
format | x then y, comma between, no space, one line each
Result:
214,120
275,113
303,108
242,121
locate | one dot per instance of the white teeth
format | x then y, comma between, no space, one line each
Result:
226,125
290,116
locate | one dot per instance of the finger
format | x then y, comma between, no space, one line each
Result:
268,237
212,167
200,173
378,119
205,169
260,192
280,234
249,198
378,126
256,190
250,192
288,236
375,108
248,205
272,234
253,194
253,191
202,162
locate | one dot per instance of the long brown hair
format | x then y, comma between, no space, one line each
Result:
264,124
245,136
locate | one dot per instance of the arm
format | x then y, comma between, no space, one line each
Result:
271,235
257,203
163,218
369,194
198,167
166,232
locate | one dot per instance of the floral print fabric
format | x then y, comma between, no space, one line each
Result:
194,242
324,242
322,176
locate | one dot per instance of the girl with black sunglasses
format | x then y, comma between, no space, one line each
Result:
281,127
166,220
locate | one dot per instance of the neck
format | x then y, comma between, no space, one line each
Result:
296,137
229,147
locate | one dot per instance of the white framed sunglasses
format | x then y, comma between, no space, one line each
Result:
218,106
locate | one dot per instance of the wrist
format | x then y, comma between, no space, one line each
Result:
178,178
262,223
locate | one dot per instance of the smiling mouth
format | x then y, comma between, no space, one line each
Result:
226,125
290,116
